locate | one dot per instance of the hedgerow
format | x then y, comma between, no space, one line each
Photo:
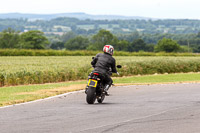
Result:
31,52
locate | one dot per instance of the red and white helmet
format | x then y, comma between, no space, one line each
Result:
108,49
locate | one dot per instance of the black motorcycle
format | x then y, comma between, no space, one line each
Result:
95,87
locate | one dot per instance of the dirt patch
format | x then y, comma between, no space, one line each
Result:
56,91
30,96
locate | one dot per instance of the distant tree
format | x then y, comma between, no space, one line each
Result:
137,45
133,36
167,45
57,45
73,27
77,43
195,48
80,31
184,49
122,45
33,40
9,38
129,37
198,35
149,47
102,38
92,31
67,36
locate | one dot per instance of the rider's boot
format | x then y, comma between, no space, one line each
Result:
106,90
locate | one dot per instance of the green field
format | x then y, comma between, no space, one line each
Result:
23,70
32,70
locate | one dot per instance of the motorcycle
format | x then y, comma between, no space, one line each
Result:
95,87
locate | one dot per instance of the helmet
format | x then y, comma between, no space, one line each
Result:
108,49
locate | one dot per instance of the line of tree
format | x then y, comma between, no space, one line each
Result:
134,42
10,38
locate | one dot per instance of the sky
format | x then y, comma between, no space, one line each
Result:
173,9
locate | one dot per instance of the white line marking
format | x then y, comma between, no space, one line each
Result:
42,99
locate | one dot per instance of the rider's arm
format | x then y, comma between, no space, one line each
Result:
94,61
114,70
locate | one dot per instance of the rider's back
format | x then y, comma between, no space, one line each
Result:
103,62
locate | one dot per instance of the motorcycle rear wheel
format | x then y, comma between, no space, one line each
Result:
91,95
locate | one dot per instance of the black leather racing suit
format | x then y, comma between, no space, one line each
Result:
102,63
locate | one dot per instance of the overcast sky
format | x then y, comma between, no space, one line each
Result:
146,8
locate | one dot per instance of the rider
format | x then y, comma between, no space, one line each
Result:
103,63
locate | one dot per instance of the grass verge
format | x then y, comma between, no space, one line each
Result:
18,94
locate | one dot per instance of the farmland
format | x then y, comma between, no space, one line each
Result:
23,70
31,70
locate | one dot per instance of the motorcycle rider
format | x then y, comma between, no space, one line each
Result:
104,63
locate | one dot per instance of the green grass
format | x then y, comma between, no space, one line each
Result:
18,94
165,78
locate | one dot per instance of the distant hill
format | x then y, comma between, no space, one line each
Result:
81,16
85,24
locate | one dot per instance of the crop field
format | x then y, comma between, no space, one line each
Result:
23,70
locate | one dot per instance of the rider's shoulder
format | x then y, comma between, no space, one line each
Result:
99,54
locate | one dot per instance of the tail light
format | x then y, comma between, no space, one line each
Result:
95,73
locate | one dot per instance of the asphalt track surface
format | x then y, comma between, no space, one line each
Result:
167,108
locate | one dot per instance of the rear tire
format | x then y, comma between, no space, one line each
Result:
91,95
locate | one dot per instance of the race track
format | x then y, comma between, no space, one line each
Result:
169,108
